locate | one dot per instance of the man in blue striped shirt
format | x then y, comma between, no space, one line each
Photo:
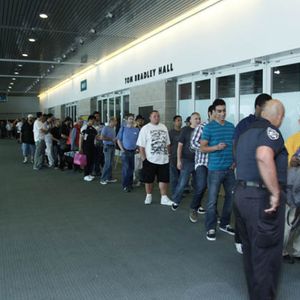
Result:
217,141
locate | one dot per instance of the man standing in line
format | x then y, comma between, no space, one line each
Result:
259,200
39,132
201,162
241,127
154,143
99,156
138,164
49,124
217,141
186,165
174,134
27,139
108,136
127,138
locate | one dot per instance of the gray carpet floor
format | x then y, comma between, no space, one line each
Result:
63,238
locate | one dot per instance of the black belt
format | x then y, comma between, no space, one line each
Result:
251,184
258,184
129,150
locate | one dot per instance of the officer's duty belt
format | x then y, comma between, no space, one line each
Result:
252,184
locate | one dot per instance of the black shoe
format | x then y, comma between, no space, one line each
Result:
228,229
127,189
211,235
288,259
174,206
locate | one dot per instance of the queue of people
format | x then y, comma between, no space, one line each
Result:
250,161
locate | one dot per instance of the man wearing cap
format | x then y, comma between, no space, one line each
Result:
27,139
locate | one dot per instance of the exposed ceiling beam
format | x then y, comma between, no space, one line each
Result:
32,61
30,76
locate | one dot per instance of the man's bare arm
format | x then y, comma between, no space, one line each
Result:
267,169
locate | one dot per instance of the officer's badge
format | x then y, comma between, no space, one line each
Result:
272,134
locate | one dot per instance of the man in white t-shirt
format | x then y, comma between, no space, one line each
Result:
39,131
154,144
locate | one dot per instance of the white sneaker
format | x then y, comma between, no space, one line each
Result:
92,177
87,178
25,160
239,248
103,182
148,199
166,201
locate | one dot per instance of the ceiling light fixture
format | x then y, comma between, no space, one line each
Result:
11,83
25,54
14,78
20,65
203,6
43,16
17,73
32,40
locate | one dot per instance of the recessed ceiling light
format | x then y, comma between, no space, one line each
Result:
11,83
9,87
14,78
16,73
20,65
32,40
43,16
25,54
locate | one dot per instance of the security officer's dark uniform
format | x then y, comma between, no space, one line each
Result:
261,233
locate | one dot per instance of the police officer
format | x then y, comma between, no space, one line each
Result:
259,199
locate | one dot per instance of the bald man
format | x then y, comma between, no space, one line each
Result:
259,200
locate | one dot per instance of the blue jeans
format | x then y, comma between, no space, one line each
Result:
109,154
215,179
174,176
127,168
28,149
200,185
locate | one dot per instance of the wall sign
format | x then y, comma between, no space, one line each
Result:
83,85
150,73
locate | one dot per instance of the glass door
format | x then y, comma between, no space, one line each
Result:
250,86
185,100
285,86
104,111
226,90
202,97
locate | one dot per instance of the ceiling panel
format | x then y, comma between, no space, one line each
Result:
75,34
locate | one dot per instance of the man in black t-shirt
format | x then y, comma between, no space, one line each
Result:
55,134
27,139
87,146
174,135
186,163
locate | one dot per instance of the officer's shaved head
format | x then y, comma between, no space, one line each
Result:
273,111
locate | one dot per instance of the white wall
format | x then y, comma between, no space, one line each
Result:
230,31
